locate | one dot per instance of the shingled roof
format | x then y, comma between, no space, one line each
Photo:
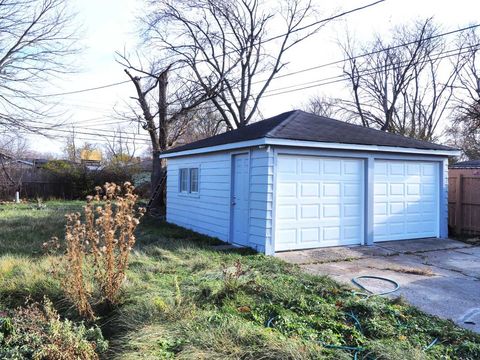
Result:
303,126
470,164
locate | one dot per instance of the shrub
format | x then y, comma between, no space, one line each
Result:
98,248
37,332
232,277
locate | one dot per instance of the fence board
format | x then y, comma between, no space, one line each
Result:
464,202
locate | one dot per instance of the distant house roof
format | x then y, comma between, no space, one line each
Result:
300,125
470,164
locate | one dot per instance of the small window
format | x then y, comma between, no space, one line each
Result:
183,180
188,180
194,180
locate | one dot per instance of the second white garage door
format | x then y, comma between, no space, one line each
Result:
319,202
405,200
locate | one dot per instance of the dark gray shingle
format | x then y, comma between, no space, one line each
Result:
300,125
470,164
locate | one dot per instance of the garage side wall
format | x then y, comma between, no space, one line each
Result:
207,212
444,199
261,200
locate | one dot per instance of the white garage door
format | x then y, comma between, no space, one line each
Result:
319,202
405,200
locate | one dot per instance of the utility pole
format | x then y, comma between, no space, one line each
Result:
74,150
159,165
162,109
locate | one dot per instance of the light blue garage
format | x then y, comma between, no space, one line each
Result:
298,181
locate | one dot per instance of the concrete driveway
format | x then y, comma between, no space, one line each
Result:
439,276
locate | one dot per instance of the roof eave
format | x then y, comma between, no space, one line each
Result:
360,147
310,144
216,148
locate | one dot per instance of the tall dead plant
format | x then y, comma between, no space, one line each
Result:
98,246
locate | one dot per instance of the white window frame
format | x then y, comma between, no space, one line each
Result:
188,172
191,178
185,171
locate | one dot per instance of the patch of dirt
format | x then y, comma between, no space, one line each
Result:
407,270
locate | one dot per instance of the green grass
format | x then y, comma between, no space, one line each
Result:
177,303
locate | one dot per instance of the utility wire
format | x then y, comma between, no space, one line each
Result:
336,62
82,133
370,71
315,23
83,90
268,92
343,77
277,37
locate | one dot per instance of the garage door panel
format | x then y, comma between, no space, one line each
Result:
331,167
310,166
287,166
331,211
330,190
309,235
309,190
288,189
406,196
310,211
285,236
327,198
287,212
352,210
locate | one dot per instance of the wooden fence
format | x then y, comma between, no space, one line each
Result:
35,183
464,202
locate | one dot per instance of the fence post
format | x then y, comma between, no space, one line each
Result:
458,205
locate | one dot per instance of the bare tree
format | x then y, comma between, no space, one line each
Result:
404,85
12,166
121,149
164,115
464,131
222,50
36,38
323,106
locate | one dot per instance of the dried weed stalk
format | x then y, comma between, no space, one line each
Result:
97,249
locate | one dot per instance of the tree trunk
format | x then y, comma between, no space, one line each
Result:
156,169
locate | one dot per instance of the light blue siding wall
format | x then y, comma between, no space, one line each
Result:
209,211
261,199
444,199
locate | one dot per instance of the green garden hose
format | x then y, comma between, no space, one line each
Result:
371,293
356,349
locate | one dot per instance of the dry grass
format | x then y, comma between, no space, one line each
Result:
174,304
98,246
407,270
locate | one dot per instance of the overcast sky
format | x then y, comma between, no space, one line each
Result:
110,25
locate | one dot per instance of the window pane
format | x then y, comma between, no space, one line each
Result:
183,180
194,180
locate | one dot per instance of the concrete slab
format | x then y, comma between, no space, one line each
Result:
475,251
441,278
418,245
332,254
465,264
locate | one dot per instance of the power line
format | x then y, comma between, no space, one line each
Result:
336,62
113,137
439,56
65,137
338,80
83,90
268,92
315,23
